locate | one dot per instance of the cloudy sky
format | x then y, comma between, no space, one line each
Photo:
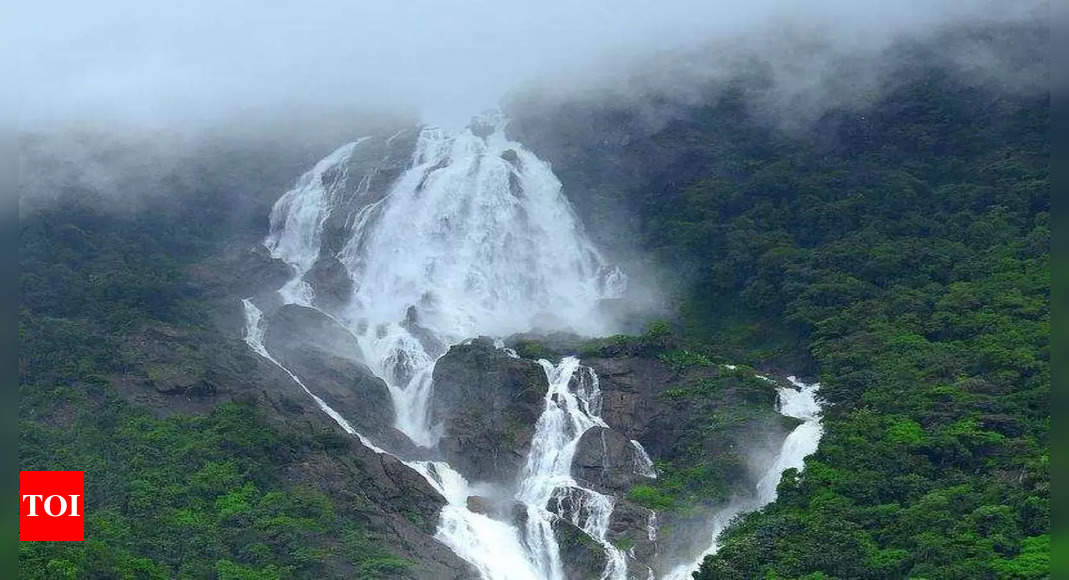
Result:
198,62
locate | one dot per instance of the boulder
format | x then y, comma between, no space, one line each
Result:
325,357
486,403
582,557
330,282
510,155
607,461
479,504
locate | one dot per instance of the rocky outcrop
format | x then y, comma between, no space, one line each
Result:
325,356
330,283
487,404
607,460
704,409
365,179
581,556
291,325
397,504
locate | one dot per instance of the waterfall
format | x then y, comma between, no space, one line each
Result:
254,337
471,236
547,475
472,536
801,403
474,237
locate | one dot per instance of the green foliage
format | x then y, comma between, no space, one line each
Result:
905,432
920,280
188,496
176,497
900,251
681,360
532,349
656,339
650,497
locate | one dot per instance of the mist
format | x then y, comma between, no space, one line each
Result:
124,64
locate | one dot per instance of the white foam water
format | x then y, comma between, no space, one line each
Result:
474,238
799,401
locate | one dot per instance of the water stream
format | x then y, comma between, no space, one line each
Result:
473,238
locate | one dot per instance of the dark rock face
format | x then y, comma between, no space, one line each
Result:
634,402
511,156
629,388
372,169
629,526
479,505
487,404
330,282
582,557
291,325
397,502
431,344
606,460
323,353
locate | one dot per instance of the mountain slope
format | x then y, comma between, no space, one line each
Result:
902,246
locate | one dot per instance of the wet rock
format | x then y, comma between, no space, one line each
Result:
479,504
431,344
487,404
373,167
607,461
330,282
397,502
239,272
291,325
582,557
511,156
324,355
629,527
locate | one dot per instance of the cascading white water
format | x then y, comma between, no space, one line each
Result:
254,337
799,402
472,536
548,473
643,463
475,238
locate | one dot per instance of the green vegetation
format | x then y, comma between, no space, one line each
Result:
188,497
918,269
655,340
650,497
911,256
681,360
898,249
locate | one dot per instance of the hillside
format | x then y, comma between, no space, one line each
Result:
898,248
450,300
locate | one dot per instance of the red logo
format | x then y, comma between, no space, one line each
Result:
52,506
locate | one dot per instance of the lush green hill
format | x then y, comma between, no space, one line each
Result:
169,495
900,250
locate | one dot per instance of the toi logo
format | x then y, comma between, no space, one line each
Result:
52,506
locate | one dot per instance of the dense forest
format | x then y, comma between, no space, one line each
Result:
173,494
900,251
